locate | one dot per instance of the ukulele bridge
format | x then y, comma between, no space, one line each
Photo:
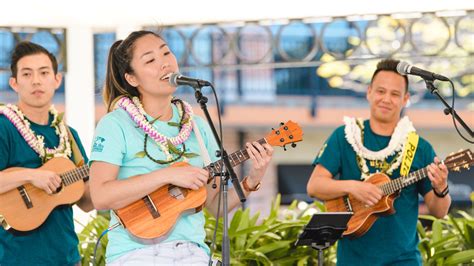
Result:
347,203
26,198
4,223
151,207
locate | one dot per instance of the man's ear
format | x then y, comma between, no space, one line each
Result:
13,84
406,98
59,79
131,80
369,89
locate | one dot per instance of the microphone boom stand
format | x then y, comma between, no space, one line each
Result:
226,173
449,110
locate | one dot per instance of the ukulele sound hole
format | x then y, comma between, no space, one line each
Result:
58,189
177,192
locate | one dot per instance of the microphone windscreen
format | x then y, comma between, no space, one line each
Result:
402,68
173,80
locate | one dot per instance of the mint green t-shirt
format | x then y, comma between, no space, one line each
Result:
55,241
117,141
393,239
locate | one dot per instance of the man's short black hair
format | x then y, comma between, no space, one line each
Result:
26,48
389,65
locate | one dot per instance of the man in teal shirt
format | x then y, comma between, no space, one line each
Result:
360,148
31,133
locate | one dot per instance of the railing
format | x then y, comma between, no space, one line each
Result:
259,61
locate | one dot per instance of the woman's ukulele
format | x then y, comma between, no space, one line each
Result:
155,214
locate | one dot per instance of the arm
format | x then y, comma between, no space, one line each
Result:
85,203
322,185
107,192
438,175
438,207
260,156
11,179
43,179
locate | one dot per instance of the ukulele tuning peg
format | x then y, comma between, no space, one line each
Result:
273,128
281,123
293,145
284,148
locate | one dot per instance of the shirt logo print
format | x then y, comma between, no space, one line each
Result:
98,144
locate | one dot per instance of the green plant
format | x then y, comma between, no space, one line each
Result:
88,238
271,242
449,242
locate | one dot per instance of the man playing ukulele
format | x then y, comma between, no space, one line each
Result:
360,148
31,133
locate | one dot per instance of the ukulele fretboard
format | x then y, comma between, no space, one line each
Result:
235,158
74,175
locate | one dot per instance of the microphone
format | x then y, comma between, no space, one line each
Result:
177,79
403,68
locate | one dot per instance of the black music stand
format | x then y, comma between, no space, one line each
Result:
323,230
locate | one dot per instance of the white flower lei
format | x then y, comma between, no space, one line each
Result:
36,142
135,109
353,132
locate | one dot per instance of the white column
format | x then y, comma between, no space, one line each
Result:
80,104
79,91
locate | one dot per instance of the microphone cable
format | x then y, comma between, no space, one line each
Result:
213,243
446,112
98,241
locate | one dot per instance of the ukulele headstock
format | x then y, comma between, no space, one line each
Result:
288,133
461,159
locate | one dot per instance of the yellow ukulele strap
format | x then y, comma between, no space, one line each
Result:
409,153
76,152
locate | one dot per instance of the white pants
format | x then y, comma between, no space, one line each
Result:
170,253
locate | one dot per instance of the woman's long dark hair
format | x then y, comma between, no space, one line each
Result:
118,63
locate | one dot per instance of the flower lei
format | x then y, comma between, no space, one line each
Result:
36,142
354,131
166,144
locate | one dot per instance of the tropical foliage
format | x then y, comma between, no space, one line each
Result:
88,239
271,240
449,242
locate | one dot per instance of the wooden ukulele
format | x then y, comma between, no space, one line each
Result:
155,214
27,207
364,216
